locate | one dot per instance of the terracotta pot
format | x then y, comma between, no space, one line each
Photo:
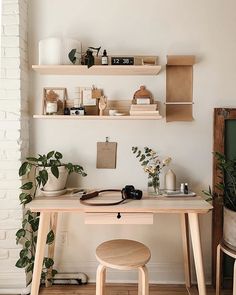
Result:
229,229
56,184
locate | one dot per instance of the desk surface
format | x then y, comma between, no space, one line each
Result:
159,204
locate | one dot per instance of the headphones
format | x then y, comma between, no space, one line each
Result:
128,192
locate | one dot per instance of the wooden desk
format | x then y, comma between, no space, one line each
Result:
188,209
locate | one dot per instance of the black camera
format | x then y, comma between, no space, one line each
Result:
129,192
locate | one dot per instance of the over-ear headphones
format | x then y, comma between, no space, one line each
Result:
128,192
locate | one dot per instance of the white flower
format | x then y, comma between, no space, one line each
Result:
166,161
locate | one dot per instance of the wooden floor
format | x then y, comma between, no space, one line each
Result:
125,289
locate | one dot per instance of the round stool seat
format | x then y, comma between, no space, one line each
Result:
123,254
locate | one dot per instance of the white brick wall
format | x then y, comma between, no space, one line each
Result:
13,134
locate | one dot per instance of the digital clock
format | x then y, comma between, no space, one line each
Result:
122,61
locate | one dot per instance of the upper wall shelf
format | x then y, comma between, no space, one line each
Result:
145,70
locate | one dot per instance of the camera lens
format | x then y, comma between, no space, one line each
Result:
136,194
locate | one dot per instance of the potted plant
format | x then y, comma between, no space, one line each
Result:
44,170
227,189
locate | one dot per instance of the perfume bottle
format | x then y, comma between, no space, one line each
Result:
104,58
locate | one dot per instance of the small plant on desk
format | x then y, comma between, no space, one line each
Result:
39,169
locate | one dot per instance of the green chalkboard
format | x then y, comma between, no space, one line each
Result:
230,139
230,152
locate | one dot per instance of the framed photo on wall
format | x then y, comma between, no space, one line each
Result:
54,100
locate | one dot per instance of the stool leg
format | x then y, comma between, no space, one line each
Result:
143,287
218,270
100,280
234,279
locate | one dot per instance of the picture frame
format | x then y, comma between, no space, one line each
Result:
54,100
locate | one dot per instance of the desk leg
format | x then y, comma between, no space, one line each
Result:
185,241
41,243
197,252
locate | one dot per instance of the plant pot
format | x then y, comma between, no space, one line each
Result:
229,229
56,184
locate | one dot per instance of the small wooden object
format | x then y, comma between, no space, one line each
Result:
122,254
106,155
142,93
102,104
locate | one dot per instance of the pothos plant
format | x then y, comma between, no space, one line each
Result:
37,170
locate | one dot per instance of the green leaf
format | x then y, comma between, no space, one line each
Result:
134,149
50,154
27,244
138,154
55,171
44,176
50,237
71,56
58,155
27,186
84,174
39,180
20,233
54,272
22,262
25,168
23,253
142,158
48,262
30,267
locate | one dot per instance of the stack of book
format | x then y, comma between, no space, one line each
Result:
144,110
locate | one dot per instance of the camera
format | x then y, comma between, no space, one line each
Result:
129,192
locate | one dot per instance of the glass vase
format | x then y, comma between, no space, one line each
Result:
154,185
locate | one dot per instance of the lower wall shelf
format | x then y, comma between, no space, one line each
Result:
63,117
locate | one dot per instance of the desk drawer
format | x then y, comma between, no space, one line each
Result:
118,218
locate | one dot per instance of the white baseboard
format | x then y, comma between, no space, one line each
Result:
159,273
13,283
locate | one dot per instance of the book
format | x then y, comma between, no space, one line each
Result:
146,107
144,113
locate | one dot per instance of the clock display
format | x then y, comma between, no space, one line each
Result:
122,61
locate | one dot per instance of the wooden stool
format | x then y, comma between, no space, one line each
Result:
123,255
222,247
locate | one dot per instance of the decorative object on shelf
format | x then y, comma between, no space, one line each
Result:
142,96
42,168
144,110
50,51
68,45
88,59
179,87
151,163
102,105
54,100
56,51
77,109
227,188
106,154
104,58
170,181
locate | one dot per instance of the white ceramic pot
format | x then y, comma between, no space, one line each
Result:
229,229
56,184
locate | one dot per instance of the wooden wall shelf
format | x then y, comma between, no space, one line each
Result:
121,118
97,70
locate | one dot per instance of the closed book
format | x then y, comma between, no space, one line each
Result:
147,107
144,113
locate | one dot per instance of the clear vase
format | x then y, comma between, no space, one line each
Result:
154,185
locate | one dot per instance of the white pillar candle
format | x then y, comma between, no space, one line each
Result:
170,180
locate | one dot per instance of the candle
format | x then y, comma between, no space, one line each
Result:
170,180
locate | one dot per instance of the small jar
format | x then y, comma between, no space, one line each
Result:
51,107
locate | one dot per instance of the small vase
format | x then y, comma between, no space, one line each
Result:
154,185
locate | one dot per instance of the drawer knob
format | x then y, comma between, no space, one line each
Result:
118,215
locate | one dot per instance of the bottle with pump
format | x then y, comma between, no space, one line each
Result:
104,58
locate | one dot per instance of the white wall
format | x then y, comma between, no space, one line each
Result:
203,28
